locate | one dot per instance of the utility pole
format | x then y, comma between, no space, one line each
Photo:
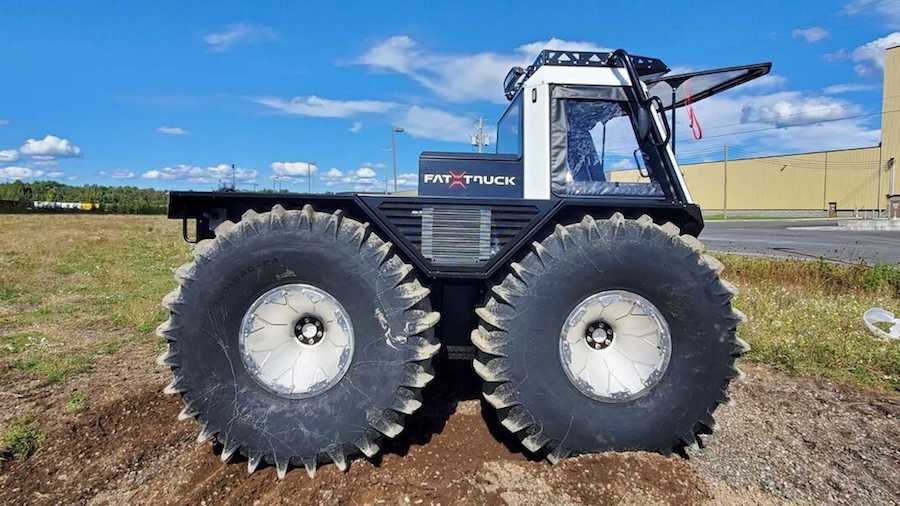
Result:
309,173
825,184
725,186
479,139
892,163
878,176
233,178
394,132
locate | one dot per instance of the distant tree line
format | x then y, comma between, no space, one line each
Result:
112,199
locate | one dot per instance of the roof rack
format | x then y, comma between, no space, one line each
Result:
515,79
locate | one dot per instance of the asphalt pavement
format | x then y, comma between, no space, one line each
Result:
802,239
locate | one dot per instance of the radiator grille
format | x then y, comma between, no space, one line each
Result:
458,235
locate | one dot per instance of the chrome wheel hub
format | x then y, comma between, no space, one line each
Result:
296,340
615,346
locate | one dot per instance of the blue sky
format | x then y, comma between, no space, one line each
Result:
169,94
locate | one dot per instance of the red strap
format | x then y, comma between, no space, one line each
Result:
696,129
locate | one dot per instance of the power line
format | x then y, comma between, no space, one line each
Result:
784,127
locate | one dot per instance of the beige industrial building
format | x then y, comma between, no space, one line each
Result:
849,180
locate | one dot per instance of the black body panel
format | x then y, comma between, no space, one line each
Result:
515,222
445,174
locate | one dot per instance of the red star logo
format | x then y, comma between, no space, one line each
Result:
457,180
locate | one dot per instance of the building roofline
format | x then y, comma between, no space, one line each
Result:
877,146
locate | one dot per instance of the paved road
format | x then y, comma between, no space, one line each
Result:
785,238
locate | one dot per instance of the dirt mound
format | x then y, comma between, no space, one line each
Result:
134,451
784,440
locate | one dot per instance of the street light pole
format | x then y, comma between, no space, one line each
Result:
394,132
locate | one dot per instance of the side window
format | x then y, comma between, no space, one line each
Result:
509,129
597,153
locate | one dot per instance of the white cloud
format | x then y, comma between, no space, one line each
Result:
55,174
319,107
333,173
167,130
365,173
122,174
836,89
356,127
459,77
429,123
836,56
195,174
13,172
811,34
766,81
775,123
50,147
886,10
870,56
237,34
294,169
793,108
407,180
8,155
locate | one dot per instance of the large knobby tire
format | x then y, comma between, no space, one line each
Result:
520,354
386,364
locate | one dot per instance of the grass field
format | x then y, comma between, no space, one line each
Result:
73,288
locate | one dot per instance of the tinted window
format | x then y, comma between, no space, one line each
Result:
509,129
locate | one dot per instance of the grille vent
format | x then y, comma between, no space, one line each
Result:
457,235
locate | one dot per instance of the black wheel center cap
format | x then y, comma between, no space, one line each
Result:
309,330
599,335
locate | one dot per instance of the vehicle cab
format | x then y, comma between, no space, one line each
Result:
582,124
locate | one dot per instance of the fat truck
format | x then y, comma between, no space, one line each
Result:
305,328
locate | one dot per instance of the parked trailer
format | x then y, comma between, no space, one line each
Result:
304,329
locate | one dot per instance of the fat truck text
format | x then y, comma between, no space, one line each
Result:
468,179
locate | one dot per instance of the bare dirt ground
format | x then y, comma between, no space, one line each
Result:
782,440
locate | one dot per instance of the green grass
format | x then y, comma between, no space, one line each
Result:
83,287
76,402
22,437
15,343
806,318
55,367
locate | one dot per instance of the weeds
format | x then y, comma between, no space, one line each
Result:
806,318
76,402
882,276
55,367
22,437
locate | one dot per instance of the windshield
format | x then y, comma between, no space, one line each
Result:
509,129
695,86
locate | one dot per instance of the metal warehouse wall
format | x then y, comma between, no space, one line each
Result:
805,181
890,118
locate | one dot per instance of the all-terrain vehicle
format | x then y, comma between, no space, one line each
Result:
304,329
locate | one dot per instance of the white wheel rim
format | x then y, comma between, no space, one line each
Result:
296,340
620,366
